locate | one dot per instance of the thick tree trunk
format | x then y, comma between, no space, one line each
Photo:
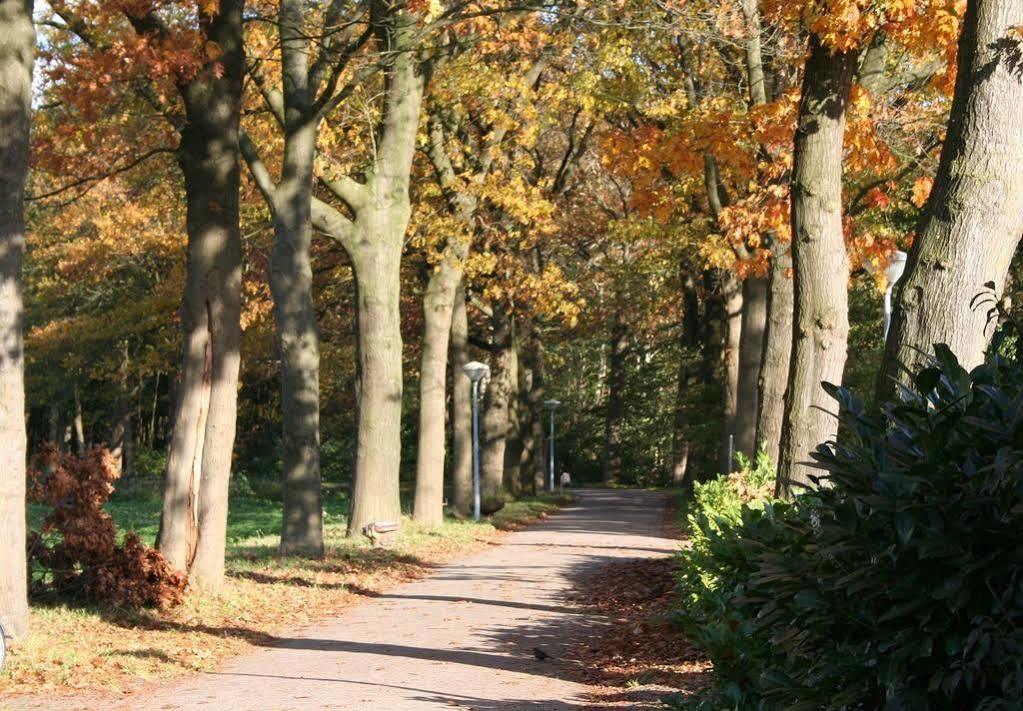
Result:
17,56
974,217
438,306
375,495
494,427
751,351
461,407
194,522
820,262
614,418
291,282
298,339
375,244
774,369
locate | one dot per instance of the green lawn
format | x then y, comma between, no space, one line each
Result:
254,523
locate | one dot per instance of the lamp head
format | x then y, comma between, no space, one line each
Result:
476,370
551,404
896,267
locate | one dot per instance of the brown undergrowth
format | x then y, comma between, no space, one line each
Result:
639,646
640,655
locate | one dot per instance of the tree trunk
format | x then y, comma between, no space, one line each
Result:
78,423
754,55
17,55
680,429
820,262
461,407
614,419
128,450
774,369
690,339
438,306
494,427
153,417
751,351
375,495
732,301
375,244
974,217
536,466
194,522
291,283
120,437
55,424
528,436
513,446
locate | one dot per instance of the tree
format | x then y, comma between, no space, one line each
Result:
189,73
973,219
17,57
820,262
461,414
193,527
374,238
438,311
468,124
774,367
309,88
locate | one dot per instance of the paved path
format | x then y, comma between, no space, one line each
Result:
461,638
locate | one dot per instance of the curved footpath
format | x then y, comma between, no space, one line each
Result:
462,638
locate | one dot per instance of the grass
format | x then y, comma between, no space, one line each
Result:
77,648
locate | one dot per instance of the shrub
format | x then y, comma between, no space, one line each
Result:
76,554
899,582
723,497
714,568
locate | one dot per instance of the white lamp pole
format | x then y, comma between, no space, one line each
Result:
896,267
551,405
476,372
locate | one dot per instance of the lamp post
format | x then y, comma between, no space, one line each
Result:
896,267
551,405
476,371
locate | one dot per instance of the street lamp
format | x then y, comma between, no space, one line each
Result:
476,371
552,405
896,267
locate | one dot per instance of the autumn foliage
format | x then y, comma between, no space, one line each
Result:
76,554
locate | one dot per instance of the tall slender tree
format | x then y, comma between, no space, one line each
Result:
774,367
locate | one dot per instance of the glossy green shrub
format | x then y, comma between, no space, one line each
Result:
899,583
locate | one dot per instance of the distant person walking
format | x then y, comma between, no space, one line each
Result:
566,481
